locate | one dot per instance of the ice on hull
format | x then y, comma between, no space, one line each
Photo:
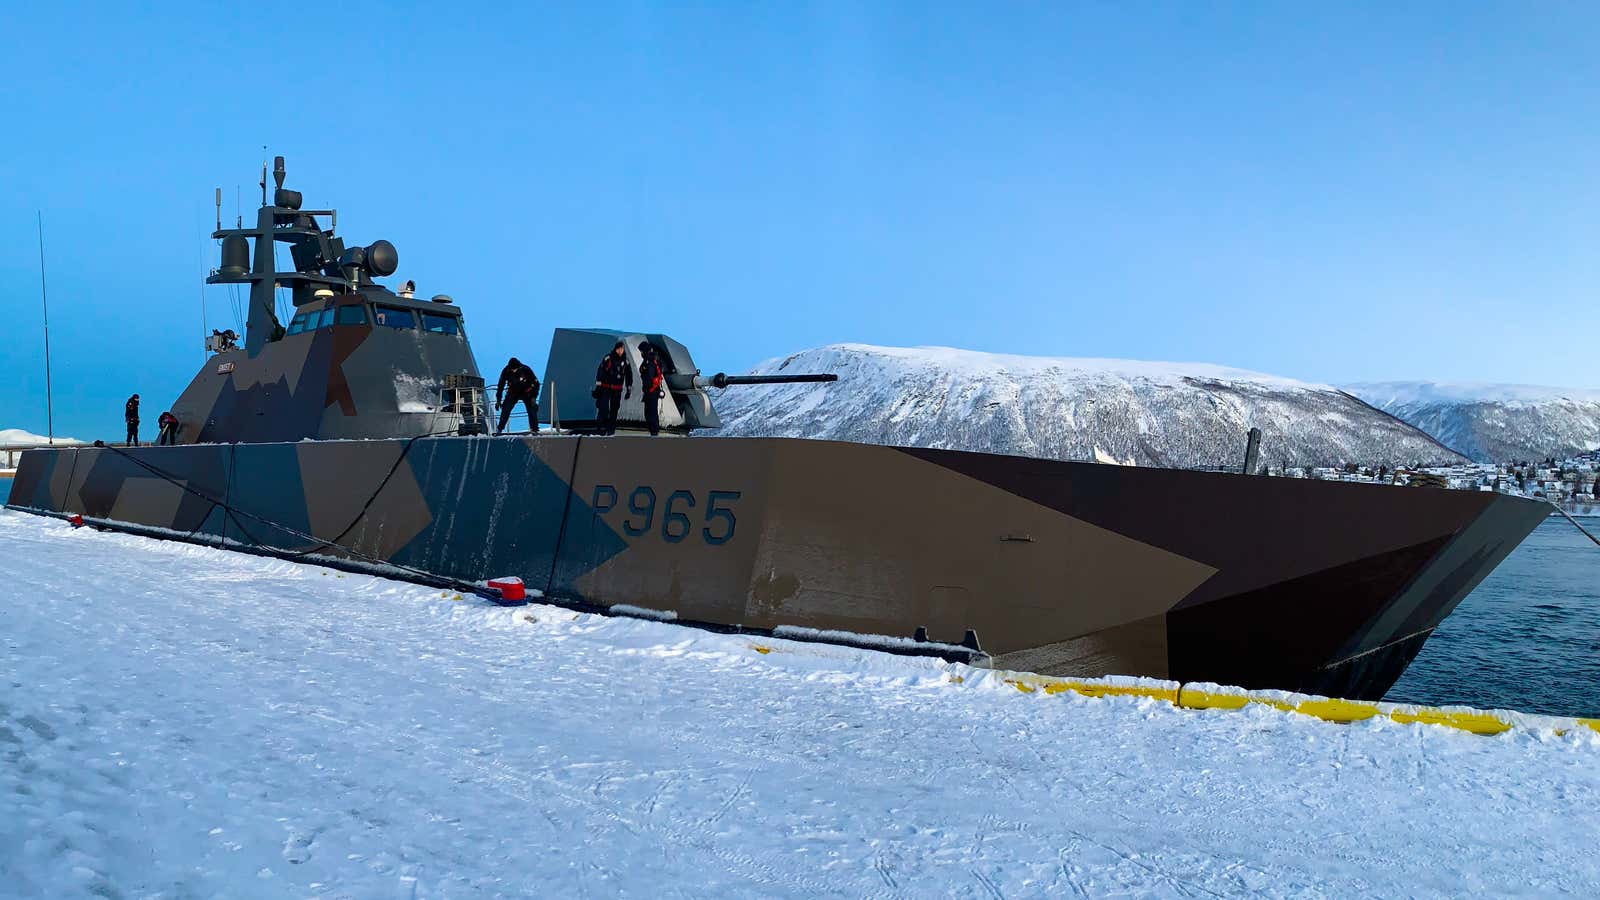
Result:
1060,568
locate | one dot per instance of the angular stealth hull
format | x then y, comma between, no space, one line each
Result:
1060,568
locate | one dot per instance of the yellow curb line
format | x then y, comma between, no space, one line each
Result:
1327,709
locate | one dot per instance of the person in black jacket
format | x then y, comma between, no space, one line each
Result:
613,382
130,414
523,386
652,386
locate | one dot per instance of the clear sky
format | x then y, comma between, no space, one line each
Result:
1334,192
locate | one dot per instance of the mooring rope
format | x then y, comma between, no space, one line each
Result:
318,543
1574,522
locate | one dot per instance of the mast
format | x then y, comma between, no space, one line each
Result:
248,258
44,296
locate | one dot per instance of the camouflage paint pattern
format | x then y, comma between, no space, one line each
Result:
1060,568
338,381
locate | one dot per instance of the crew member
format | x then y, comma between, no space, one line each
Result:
517,382
652,386
613,382
169,429
130,414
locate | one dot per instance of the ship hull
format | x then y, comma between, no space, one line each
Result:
1058,567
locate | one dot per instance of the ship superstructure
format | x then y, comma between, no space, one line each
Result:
355,360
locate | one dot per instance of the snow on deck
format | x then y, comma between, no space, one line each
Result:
183,721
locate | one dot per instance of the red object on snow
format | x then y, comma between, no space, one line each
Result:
75,520
509,588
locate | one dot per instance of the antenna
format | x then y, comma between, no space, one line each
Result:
205,327
44,296
263,174
219,209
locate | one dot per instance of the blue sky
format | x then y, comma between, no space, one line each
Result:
1333,192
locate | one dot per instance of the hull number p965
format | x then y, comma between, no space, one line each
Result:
680,514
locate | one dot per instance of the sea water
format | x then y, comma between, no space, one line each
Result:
1528,638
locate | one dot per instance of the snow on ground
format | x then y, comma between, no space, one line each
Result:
182,721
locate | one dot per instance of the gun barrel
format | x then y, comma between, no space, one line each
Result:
720,380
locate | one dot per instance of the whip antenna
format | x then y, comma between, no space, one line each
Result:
44,297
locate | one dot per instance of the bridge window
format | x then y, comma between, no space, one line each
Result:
437,324
298,323
326,318
394,317
354,314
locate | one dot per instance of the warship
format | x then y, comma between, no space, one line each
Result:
356,436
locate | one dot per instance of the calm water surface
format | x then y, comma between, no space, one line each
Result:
1527,639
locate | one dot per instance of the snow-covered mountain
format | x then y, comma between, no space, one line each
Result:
1149,413
1494,422
18,436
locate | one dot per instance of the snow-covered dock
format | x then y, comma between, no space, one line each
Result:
178,721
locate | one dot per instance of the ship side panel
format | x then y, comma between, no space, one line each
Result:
1383,647
389,380
276,396
201,406
1320,586
1348,630
40,482
832,536
869,538
170,488
175,487
1286,634
63,481
1256,531
1459,567
268,496
147,486
665,524
493,506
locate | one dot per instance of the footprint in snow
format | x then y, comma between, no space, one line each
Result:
297,849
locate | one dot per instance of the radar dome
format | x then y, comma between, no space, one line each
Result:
382,258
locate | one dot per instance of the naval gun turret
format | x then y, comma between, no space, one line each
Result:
566,401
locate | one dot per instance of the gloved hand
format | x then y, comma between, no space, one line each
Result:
627,394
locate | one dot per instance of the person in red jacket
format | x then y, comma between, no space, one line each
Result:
169,429
613,382
652,386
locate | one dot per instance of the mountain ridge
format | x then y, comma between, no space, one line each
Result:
1490,422
1188,415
